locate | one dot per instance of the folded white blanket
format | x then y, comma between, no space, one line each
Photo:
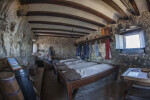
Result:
81,65
92,70
74,62
66,60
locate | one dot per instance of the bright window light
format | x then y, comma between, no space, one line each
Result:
132,41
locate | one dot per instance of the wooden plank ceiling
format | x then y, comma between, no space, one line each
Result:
74,18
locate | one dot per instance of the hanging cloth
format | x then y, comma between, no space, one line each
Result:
96,49
82,52
108,50
78,50
90,49
49,55
87,51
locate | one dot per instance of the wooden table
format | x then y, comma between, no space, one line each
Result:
139,79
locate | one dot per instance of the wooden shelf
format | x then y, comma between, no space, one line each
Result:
99,38
128,31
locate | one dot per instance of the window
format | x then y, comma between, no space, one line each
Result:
35,48
131,42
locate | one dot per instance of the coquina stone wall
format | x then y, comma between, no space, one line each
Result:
62,48
15,35
125,60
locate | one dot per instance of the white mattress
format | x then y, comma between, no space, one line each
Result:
85,68
75,62
81,64
66,60
92,70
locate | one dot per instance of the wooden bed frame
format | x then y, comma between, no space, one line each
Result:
72,85
54,66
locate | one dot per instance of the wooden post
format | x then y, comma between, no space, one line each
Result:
116,74
69,91
58,79
128,86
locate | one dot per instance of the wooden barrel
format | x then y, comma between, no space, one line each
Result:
9,86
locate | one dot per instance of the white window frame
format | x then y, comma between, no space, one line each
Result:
120,41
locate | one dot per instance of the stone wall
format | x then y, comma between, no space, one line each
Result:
15,34
125,60
63,48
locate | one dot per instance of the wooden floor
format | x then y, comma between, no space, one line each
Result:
52,90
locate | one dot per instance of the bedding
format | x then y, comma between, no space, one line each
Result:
83,70
76,69
74,62
64,67
92,70
70,62
81,65
66,60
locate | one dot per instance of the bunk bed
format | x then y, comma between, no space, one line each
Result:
85,80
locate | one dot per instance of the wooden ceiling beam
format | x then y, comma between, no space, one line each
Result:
72,5
148,4
52,29
64,15
56,33
62,24
116,7
136,10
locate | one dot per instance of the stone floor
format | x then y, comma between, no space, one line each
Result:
105,89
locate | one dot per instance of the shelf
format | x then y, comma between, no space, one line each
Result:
132,30
99,38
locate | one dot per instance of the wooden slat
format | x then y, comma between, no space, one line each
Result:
148,4
56,33
64,15
136,10
52,29
72,5
38,79
62,24
116,7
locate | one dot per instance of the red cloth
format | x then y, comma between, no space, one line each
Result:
108,49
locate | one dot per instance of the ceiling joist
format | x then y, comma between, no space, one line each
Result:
61,24
148,4
56,33
136,10
58,14
72,5
52,29
116,7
